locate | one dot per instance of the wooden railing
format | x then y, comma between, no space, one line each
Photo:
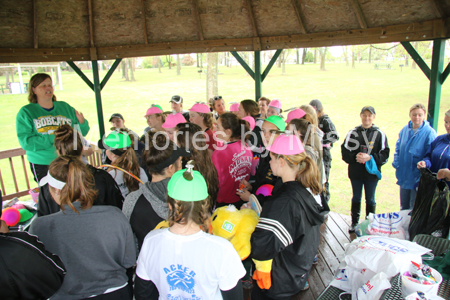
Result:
9,154
95,160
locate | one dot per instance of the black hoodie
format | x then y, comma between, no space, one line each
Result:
288,232
373,141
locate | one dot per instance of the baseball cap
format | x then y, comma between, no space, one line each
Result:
275,103
295,114
277,121
176,99
316,104
116,142
173,120
154,109
187,185
369,108
234,106
117,115
200,108
286,144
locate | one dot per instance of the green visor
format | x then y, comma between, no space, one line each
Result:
277,121
114,141
187,185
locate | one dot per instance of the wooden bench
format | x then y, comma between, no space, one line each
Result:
382,66
10,154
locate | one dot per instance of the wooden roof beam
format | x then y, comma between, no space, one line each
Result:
437,8
299,16
359,14
199,21
248,5
91,25
144,23
421,31
35,36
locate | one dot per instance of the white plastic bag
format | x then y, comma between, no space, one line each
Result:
373,288
394,225
382,254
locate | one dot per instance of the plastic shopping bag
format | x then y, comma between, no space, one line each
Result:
394,225
382,254
373,288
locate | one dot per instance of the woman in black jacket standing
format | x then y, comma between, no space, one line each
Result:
362,144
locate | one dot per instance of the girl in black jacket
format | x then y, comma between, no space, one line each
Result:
288,231
362,144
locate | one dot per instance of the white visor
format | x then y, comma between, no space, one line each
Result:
55,183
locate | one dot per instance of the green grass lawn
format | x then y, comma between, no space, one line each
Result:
342,90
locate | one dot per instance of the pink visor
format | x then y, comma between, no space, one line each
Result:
275,103
234,107
250,121
153,110
295,114
286,144
200,108
173,120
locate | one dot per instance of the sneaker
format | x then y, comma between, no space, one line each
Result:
247,284
352,228
306,285
316,259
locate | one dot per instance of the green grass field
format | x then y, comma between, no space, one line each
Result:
342,90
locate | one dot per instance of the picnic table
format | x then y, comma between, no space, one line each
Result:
382,66
439,246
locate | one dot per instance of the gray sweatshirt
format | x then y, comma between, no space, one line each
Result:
96,246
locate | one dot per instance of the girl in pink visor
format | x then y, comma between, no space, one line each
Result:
200,115
172,120
289,226
155,118
274,108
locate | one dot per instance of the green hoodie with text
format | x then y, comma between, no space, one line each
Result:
35,128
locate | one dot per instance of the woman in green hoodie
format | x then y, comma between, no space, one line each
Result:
36,122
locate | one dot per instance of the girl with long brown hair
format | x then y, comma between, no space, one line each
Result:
186,132
199,114
68,142
124,166
183,261
233,161
289,226
95,242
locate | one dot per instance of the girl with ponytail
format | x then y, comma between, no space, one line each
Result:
124,166
95,243
289,226
184,261
69,142
233,160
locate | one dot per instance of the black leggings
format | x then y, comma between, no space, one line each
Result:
38,171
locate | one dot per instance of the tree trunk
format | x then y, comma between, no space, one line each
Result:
283,62
304,55
315,55
370,54
406,60
7,78
345,51
201,60
178,65
353,57
122,64
12,74
414,65
298,56
280,59
159,64
323,53
212,87
131,67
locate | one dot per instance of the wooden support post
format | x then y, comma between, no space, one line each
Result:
359,14
19,69
243,64
258,85
434,98
110,72
272,61
98,98
197,17
297,10
144,23
417,58
81,74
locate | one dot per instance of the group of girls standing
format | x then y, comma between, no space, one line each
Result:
98,243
